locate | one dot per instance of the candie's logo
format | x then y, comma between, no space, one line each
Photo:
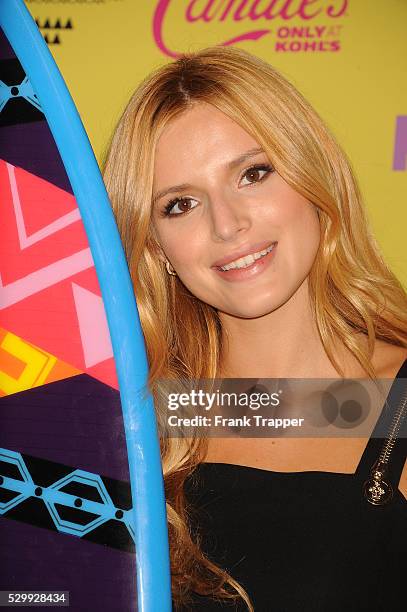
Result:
253,19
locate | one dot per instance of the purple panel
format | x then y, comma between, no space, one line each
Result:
400,144
98,578
26,140
77,421
32,147
6,51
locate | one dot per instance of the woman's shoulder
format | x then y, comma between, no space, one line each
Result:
388,359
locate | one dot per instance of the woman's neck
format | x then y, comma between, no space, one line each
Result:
282,344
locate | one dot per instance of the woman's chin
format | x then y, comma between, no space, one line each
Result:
251,311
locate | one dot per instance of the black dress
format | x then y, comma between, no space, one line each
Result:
307,541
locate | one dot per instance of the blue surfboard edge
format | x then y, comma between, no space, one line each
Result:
150,521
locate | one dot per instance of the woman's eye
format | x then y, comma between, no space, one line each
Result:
256,174
183,204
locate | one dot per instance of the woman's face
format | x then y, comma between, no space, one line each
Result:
216,200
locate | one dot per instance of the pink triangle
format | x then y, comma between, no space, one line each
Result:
94,331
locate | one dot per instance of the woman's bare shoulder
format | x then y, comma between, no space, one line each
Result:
388,358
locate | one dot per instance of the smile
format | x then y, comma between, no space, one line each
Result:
249,267
248,260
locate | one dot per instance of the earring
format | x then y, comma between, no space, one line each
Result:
170,269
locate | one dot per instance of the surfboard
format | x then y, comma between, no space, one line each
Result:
82,510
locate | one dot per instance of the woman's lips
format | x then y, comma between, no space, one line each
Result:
257,267
242,252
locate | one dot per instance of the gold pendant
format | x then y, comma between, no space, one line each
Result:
377,490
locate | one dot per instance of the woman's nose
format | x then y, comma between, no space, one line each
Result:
228,216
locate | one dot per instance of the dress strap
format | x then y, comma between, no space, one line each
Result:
395,399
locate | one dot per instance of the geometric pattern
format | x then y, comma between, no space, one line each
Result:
93,326
50,299
49,292
24,366
18,101
78,503
23,90
61,424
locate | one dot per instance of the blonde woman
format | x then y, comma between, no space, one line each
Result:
252,258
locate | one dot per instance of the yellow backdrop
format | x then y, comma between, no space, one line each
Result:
348,57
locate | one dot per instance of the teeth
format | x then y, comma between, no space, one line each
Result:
247,260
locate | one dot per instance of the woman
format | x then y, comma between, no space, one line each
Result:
251,257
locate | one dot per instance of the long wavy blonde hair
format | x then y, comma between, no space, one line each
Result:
353,293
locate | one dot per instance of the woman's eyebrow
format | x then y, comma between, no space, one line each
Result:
185,186
173,189
244,157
